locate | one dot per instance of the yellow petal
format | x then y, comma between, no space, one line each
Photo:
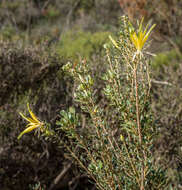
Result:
137,42
32,114
141,25
134,39
30,124
27,130
140,36
146,29
148,33
27,118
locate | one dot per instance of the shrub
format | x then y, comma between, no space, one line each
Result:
81,44
113,145
170,58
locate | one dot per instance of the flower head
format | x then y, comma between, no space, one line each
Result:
140,37
34,122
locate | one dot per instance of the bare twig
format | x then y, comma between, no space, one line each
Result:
45,5
161,82
75,181
173,44
71,11
60,176
138,125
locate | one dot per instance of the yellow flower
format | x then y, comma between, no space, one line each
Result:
34,123
139,38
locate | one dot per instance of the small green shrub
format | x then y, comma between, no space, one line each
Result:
171,57
81,44
113,145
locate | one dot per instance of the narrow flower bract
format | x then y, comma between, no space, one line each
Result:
34,122
139,38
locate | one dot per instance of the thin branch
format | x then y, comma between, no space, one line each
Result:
45,5
71,11
161,82
138,125
60,176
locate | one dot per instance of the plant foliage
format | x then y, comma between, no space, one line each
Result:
114,145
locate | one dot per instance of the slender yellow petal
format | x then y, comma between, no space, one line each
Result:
150,30
33,123
29,124
134,39
27,130
140,36
146,28
27,118
32,114
148,33
141,25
